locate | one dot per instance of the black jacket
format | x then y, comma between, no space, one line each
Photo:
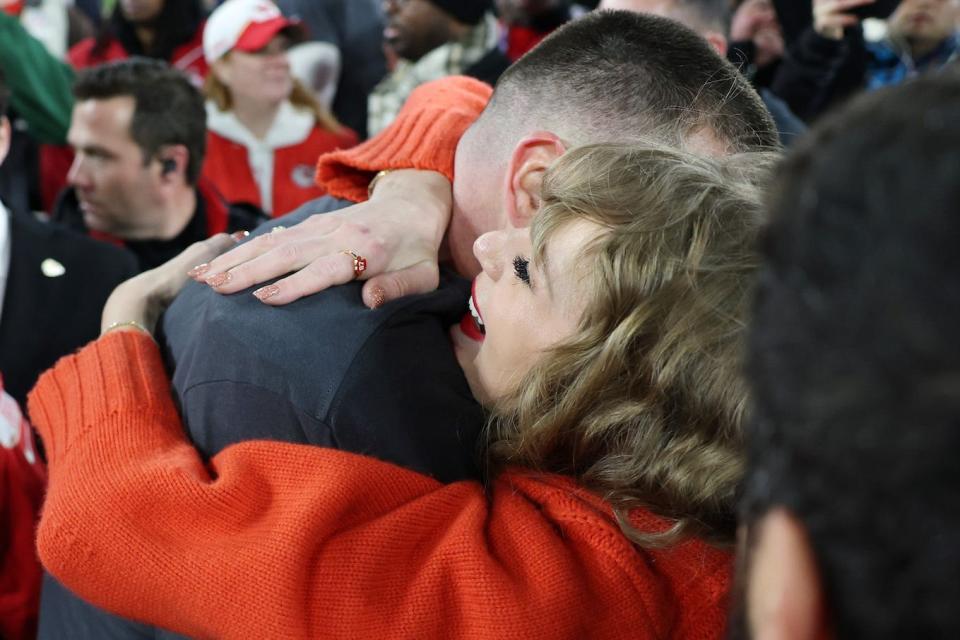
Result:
46,316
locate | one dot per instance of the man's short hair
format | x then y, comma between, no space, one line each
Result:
169,109
706,15
855,360
619,75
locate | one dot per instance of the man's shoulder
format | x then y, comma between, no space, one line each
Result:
302,350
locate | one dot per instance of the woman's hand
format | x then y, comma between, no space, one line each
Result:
398,231
141,299
830,19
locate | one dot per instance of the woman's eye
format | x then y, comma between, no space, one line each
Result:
521,269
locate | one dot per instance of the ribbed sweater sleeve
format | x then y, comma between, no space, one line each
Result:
423,136
277,540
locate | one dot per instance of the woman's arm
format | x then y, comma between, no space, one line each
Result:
277,540
423,136
286,541
399,230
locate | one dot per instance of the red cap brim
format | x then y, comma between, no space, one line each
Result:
257,35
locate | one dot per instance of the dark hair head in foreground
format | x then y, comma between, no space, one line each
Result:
855,362
169,109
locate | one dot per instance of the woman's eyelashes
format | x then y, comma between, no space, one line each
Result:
521,269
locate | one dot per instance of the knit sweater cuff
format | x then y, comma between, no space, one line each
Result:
75,396
424,136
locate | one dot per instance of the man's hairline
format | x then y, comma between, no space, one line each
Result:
702,139
145,160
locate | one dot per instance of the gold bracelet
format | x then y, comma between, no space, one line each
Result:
376,179
128,323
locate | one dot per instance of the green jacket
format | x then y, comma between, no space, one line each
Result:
40,84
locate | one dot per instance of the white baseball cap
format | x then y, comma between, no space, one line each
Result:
247,25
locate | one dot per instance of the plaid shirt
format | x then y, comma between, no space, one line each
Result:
450,59
890,64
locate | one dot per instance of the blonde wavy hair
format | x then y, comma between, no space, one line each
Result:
645,403
214,89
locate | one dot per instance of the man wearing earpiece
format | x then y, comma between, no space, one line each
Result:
138,128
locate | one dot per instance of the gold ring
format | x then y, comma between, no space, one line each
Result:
359,263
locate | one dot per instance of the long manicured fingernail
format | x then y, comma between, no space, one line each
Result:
240,236
378,296
219,280
198,271
265,293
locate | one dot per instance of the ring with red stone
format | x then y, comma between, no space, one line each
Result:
359,263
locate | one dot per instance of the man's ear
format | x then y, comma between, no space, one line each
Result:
528,163
784,593
718,41
173,161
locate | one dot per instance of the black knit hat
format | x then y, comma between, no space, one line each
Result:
468,11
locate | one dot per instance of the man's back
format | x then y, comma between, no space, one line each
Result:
325,371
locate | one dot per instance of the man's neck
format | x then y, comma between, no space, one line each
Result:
179,210
257,117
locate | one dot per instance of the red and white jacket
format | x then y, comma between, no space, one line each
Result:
275,173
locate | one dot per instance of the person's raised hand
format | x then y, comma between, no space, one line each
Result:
397,232
139,301
749,18
830,17
756,21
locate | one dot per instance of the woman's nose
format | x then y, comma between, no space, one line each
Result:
488,250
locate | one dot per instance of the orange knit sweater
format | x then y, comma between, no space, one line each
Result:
423,136
273,540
